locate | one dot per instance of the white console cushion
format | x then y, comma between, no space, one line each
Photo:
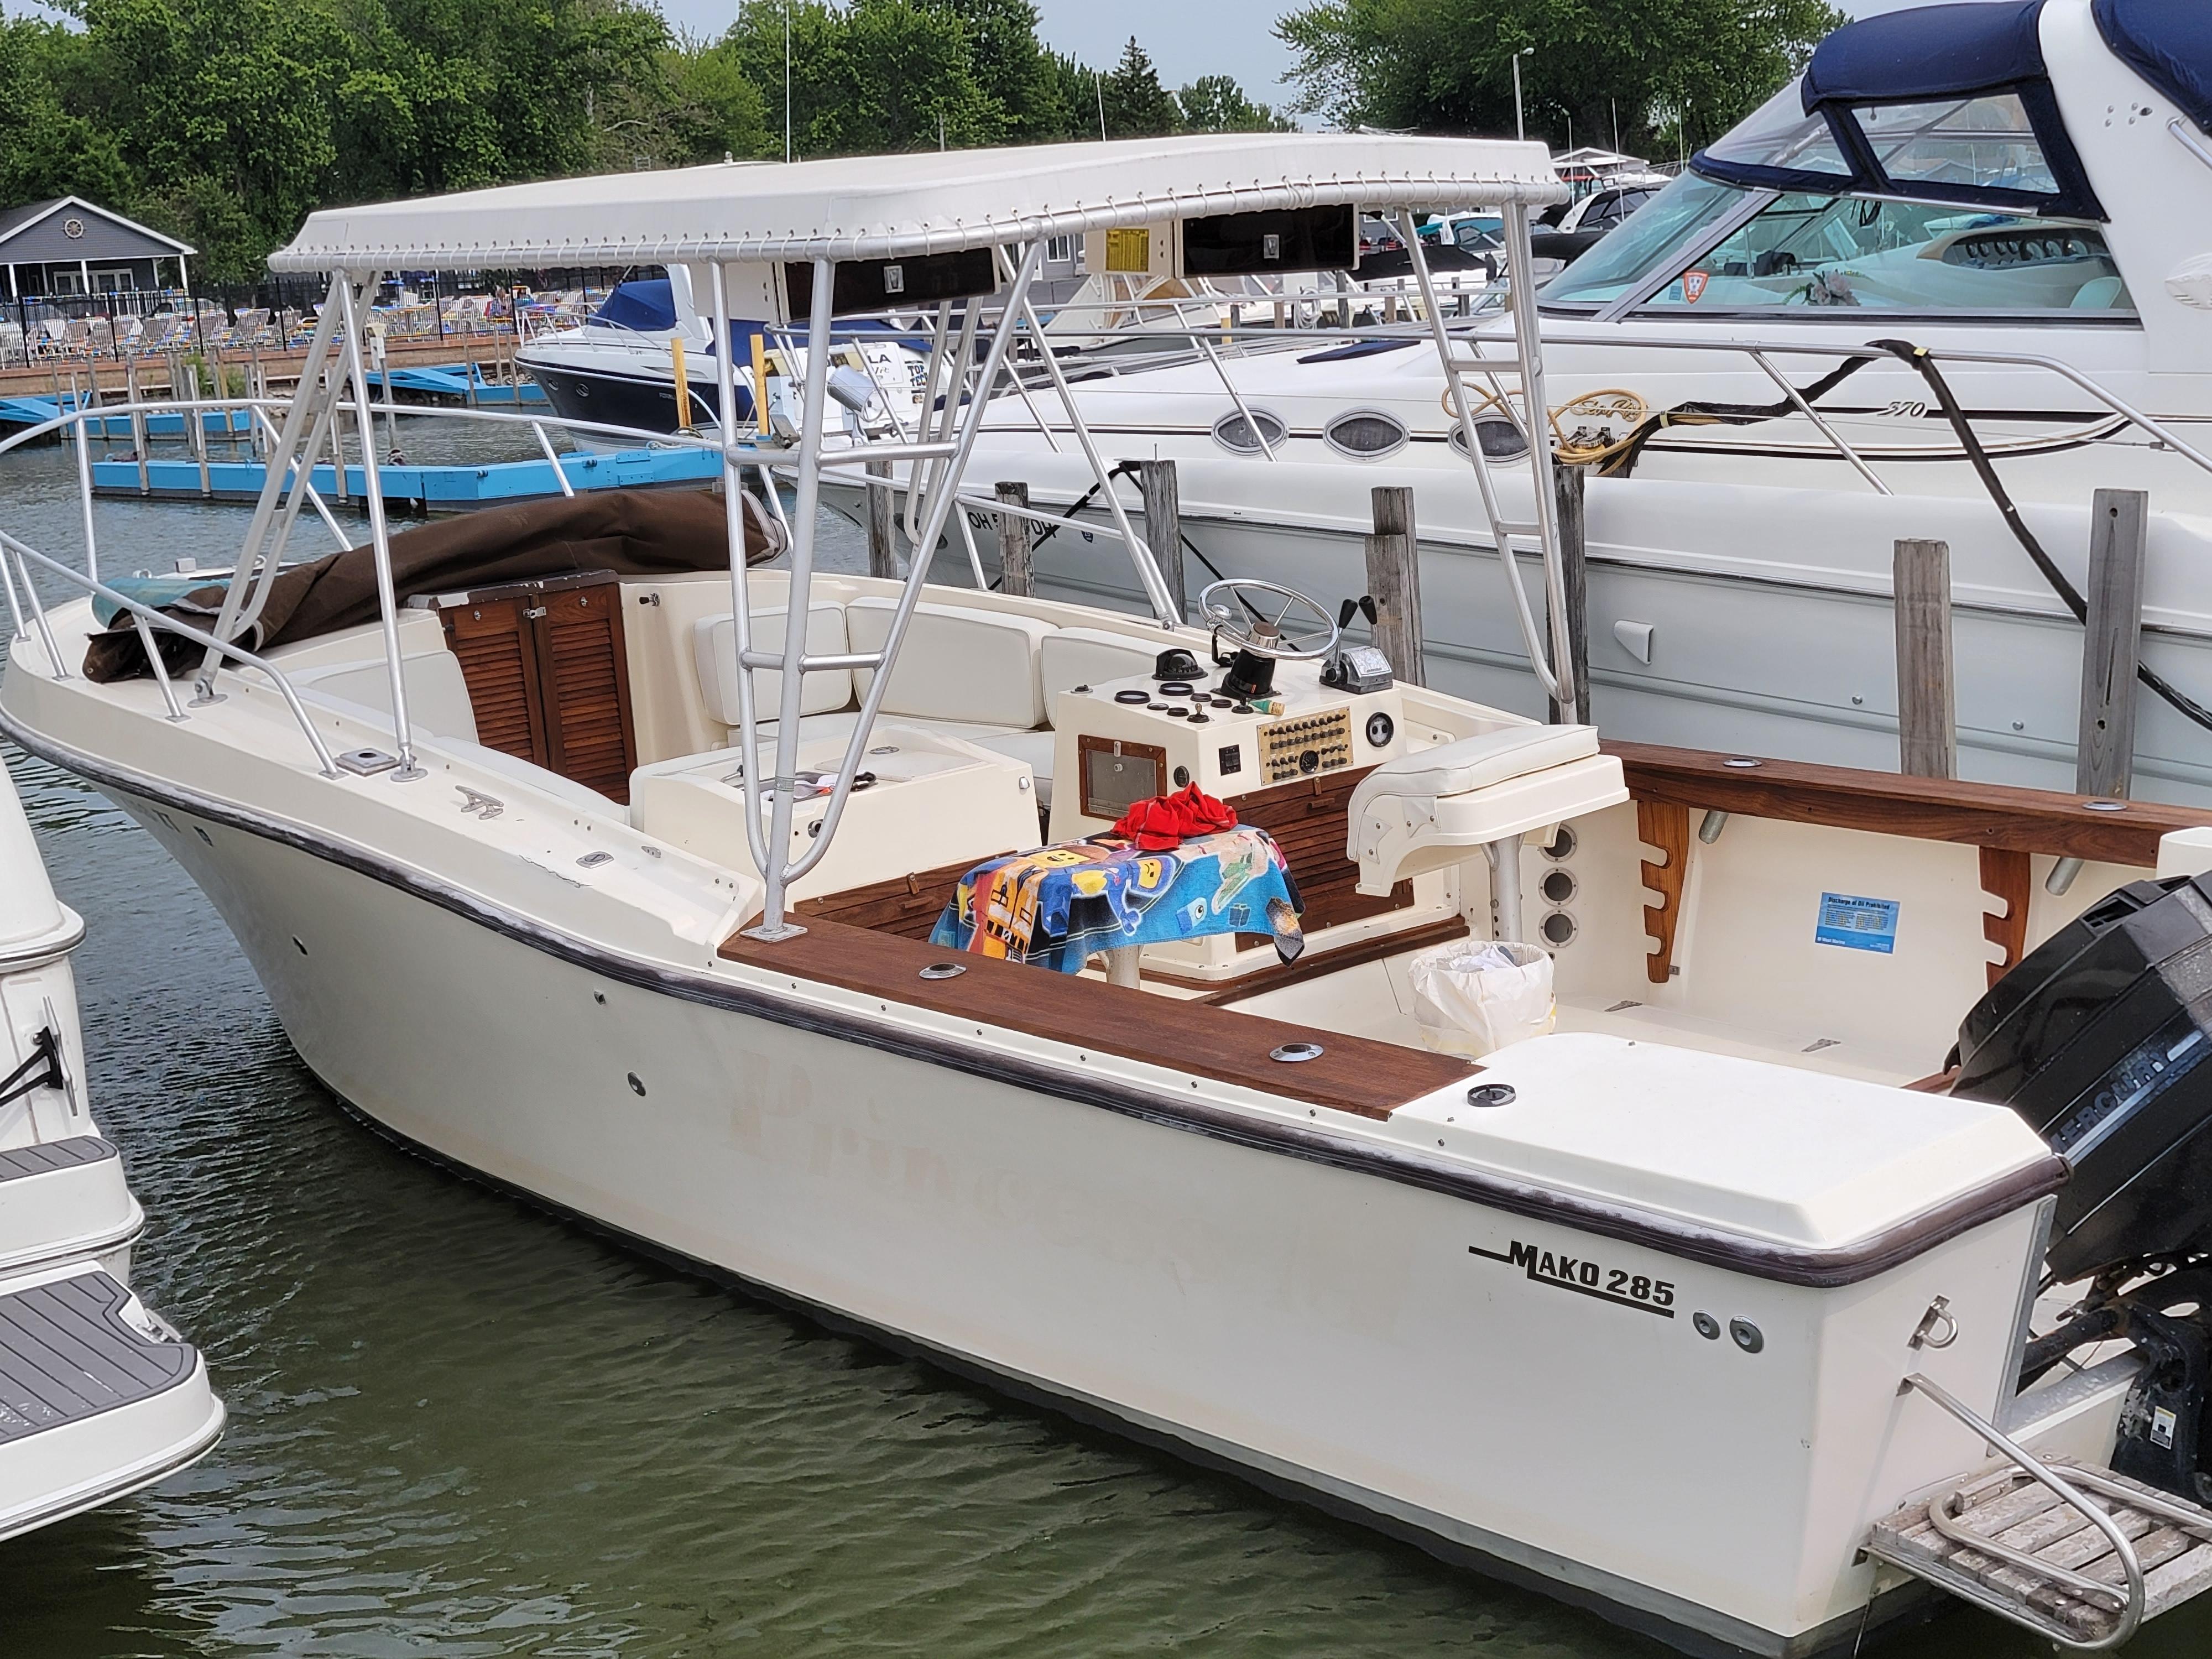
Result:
1090,656
714,647
1424,812
955,664
1477,762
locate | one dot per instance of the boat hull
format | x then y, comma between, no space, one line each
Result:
1345,1337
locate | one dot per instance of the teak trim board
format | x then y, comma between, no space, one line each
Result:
1887,804
1351,1074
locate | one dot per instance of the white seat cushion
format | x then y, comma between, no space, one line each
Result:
714,649
1089,656
955,664
1423,812
1477,762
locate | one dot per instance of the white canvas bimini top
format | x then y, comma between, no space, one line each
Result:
872,207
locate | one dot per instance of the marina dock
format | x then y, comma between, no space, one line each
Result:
420,489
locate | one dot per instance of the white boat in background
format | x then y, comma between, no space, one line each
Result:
1720,1308
2022,189
618,367
99,1395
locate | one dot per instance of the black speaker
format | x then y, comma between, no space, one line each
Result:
1277,238
867,285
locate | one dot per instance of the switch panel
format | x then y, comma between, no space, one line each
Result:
1306,745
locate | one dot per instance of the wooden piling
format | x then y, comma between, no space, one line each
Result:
1569,482
2119,526
1927,710
138,424
196,428
1014,546
883,555
1393,581
1163,528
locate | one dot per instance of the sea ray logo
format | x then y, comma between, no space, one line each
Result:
1585,1277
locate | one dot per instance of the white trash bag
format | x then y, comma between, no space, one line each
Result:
1473,996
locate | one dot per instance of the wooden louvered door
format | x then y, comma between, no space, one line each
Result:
586,674
496,643
548,676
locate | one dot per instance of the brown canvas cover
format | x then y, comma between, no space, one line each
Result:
630,532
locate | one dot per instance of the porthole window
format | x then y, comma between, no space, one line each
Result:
1366,434
1500,439
1234,434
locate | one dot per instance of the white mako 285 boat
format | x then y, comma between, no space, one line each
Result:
99,1395
569,855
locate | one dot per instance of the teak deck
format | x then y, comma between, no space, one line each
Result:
1352,1074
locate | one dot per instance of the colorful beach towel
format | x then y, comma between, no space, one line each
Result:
1055,906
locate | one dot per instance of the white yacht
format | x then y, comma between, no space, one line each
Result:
618,367
748,913
2021,189
99,1396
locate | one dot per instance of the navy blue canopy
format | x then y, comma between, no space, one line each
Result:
1932,56
648,305
1933,52
2169,44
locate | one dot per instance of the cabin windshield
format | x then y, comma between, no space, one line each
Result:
1621,261
1831,251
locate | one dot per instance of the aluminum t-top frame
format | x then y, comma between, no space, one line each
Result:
739,229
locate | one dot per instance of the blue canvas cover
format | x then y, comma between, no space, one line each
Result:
648,305
1931,51
1928,56
2169,44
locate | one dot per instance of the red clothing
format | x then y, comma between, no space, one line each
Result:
1167,821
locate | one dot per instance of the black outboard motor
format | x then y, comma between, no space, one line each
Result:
2099,1039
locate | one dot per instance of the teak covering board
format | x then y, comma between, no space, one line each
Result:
1887,804
548,672
1352,1074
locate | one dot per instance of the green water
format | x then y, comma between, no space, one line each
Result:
460,1428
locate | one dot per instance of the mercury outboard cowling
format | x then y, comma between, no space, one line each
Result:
2098,1039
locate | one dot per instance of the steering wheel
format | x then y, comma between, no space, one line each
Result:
1255,618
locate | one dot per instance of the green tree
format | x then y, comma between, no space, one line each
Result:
1010,67
1215,103
46,147
1137,105
1445,65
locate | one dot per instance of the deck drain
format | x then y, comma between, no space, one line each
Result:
944,971
1290,1054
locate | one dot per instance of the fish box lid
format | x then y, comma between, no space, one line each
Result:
1803,1159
